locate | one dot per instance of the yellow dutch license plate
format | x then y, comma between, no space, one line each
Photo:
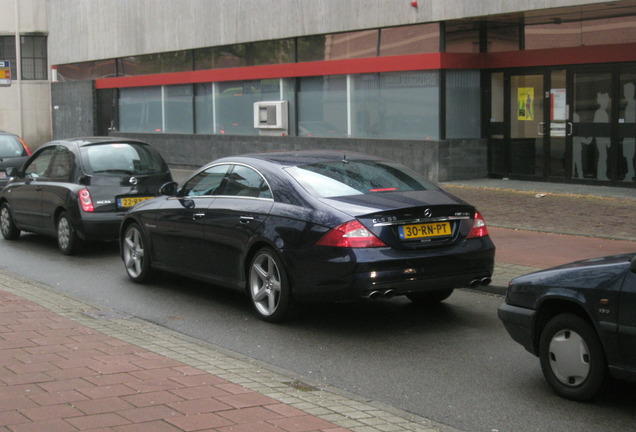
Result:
130,201
416,231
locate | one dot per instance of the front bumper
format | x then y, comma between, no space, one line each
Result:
519,322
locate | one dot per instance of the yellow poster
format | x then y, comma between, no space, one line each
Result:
525,103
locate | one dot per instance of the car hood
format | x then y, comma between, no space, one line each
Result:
589,273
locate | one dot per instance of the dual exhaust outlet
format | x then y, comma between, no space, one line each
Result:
389,293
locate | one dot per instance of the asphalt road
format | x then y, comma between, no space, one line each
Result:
453,363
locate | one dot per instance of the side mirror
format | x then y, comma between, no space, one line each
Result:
168,189
11,171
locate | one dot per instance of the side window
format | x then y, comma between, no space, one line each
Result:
206,182
244,181
40,164
61,167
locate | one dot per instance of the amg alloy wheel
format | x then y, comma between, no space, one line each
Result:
268,286
134,252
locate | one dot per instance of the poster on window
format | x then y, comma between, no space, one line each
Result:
525,103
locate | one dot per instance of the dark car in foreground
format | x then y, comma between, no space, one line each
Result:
79,189
580,320
13,153
310,226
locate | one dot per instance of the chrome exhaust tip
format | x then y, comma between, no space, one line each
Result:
390,293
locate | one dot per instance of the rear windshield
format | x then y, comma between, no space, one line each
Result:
11,147
122,158
353,177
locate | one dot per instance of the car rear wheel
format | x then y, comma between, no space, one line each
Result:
135,254
269,287
67,239
430,297
572,358
7,226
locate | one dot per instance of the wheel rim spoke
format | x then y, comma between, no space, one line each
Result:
265,285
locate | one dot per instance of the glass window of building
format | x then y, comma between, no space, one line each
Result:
177,61
338,46
503,36
234,104
204,108
609,31
627,126
178,109
87,70
322,106
140,110
7,53
463,104
33,59
396,105
246,54
414,39
592,111
462,37
554,35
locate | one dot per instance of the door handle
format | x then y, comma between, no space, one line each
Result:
246,219
569,128
541,128
198,216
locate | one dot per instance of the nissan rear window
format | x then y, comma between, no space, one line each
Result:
122,158
356,177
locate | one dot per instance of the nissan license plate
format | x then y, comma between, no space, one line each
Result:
417,231
125,202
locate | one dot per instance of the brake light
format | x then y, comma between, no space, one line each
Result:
26,147
479,228
350,234
85,200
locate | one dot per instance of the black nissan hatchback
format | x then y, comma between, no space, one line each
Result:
79,189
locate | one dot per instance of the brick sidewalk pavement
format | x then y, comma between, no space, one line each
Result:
67,366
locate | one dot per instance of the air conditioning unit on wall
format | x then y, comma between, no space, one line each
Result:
270,117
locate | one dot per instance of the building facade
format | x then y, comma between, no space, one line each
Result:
539,90
25,86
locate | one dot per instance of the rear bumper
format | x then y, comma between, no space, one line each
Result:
519,322
99,226
350,274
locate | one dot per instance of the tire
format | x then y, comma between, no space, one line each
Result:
136,255
430,297
269,287
572,358
9,230
67,239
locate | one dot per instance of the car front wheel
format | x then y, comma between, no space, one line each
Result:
572,358
67,239
9,230
136,255
269,287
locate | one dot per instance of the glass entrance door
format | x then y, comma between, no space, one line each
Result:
527,125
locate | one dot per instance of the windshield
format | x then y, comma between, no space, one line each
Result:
11,147
122,158
352,177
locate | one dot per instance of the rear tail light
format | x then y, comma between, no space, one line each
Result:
350,234
26,147
85,200
479,228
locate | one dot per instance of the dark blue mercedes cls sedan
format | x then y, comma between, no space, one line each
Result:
291,227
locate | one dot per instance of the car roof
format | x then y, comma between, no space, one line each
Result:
86,141
303,157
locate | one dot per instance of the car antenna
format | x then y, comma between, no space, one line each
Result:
344,159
